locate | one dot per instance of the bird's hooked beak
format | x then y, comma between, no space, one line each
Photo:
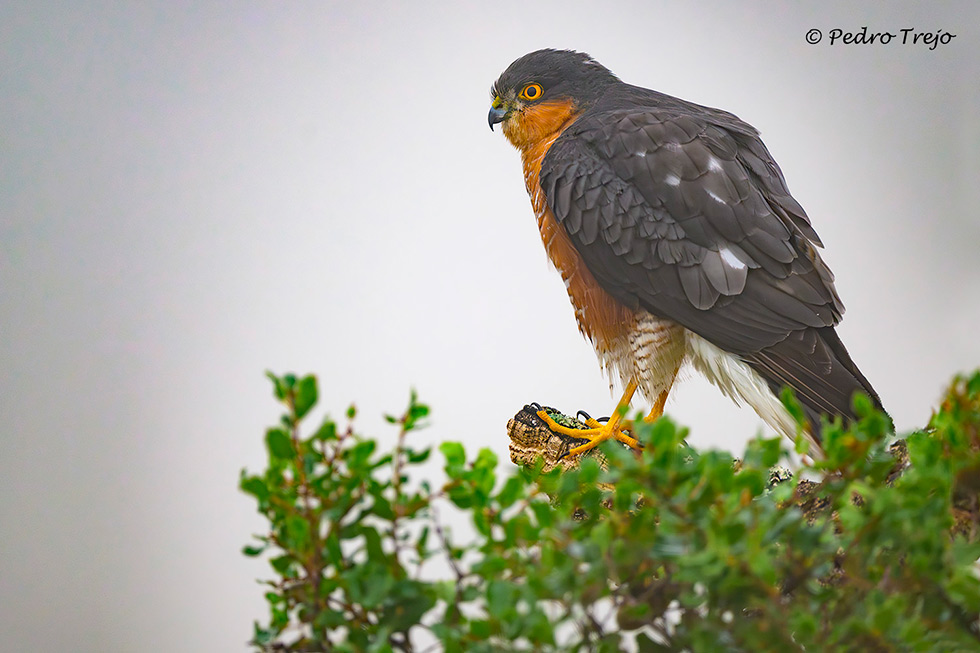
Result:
497,112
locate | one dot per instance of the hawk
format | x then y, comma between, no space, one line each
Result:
678,242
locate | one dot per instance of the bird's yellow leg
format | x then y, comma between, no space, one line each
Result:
598,432
658,408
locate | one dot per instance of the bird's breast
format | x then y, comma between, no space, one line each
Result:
605,321
631,345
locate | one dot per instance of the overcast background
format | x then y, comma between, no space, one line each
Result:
193,193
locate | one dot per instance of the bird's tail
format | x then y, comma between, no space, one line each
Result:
816,365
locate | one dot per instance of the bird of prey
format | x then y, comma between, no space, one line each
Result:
678,242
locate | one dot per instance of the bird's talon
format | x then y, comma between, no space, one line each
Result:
594,435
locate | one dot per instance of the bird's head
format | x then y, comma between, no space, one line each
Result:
541,91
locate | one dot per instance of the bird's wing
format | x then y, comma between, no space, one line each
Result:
691,220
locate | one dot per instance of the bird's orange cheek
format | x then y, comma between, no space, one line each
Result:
527,126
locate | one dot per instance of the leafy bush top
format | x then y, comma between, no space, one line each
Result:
671,550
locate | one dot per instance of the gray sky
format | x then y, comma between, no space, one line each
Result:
192,193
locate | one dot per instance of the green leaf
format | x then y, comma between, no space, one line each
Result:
416,457
801,444
262,637
253,551
329,619
485,459
278,386
296,534
283,564
644,644
862,404
454,453
461,496
274,597
382,507
421,543
509,493
255,486
359,455
416,412
327,431
792,405
306,396
480,629
279,443
335,554
502,599
374,549
973,385
543,512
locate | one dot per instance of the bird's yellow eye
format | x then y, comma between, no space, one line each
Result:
531,92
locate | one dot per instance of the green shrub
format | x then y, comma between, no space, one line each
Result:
671,550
